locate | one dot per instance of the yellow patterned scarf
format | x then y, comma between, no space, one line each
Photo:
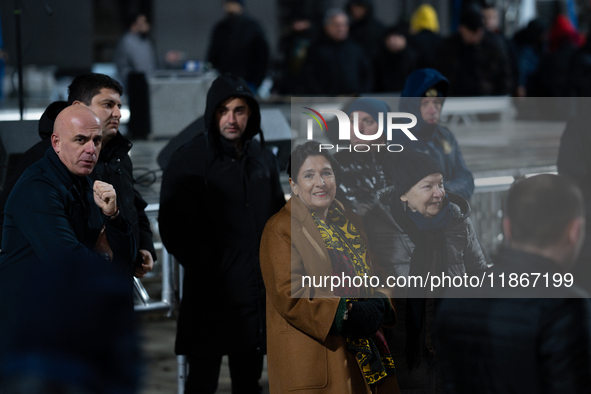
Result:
348,254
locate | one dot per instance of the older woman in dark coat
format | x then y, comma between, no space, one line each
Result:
415,228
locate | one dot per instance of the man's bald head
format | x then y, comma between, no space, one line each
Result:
76,138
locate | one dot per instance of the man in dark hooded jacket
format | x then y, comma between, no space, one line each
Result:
423,96
218,191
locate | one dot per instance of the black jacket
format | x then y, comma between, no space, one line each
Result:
50,218
368,32
516,345
574,162
214,204
238,46
114,167
334,68
474,70
425,43
33,154
393,68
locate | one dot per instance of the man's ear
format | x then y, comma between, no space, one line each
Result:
507,228
76,102
403,198
574,231
55,143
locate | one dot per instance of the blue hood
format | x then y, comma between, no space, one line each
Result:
416,85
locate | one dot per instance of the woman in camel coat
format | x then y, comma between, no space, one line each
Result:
316,337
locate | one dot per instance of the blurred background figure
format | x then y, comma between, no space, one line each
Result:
238,45
554,77
529,48
574,162
395,61
335,64
474,64
135,57
135,51
425,37
493,28
293,51
364,28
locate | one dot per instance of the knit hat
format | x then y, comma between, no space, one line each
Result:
405,169
372,106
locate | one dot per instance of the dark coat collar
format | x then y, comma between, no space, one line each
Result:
63,172
520,261
117,144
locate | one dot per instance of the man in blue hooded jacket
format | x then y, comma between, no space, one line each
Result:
423,96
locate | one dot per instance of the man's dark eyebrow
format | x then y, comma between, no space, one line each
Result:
81,136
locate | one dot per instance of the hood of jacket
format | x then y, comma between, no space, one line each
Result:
459,205
424,18
223,88
415,86
48,118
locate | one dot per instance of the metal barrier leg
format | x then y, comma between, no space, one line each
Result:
141,296
183,369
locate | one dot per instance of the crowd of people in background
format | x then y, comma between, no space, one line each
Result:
540,60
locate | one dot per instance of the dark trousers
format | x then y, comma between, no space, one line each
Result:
245,371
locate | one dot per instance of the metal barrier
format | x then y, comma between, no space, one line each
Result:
166,304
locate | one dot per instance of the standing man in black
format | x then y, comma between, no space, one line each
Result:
102,95
218,191
336,64
238,45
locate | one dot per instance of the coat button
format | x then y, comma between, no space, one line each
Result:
118,160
